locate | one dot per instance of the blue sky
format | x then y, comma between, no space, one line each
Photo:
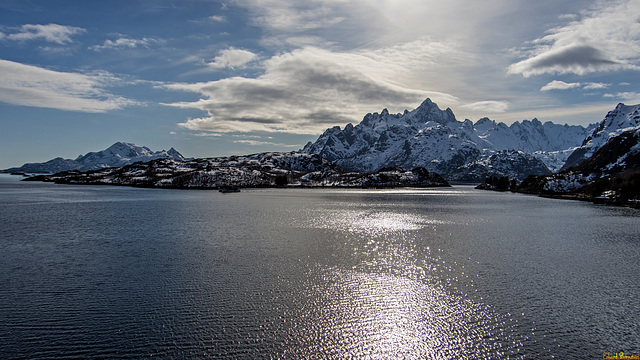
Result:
213,78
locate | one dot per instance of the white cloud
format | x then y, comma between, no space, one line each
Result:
593,86
489,106
302,92
33,86
54,33
606,38
124,43
207,134
559,85
232,58
217,18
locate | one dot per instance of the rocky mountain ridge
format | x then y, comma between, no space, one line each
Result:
432,138
621,119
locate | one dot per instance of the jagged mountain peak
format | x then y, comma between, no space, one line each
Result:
429,111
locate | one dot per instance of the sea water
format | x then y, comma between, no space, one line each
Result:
126,273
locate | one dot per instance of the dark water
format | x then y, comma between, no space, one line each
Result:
125,273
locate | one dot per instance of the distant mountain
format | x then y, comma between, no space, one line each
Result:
611,174
623,118
258,170
117,155
459,150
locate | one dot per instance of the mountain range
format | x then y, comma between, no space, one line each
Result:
458,150
117,155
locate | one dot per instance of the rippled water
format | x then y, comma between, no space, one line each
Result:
126,273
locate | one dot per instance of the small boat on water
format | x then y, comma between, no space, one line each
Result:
229,190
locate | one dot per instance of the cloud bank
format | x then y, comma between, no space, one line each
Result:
28,85
301,92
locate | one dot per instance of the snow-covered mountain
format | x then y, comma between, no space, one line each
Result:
611,174
623,118
459,150
117,155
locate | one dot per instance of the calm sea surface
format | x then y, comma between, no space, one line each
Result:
126,273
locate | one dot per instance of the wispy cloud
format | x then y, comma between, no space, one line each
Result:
595,86
559,85
488,106
262,143
53,33
207,134
282,20
33,86
217,18
232,58
605,38
124,43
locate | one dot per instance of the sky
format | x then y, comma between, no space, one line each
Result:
214,78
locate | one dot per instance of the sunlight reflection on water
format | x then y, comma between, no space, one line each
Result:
364,315
393,303
369,222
